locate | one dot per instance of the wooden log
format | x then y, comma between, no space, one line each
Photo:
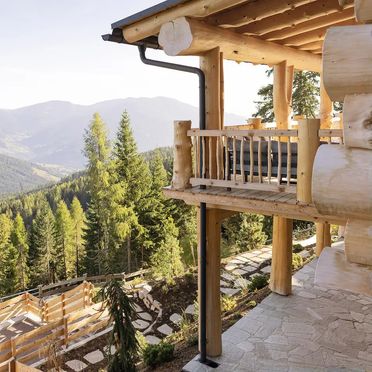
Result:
308,143
256,123
281,266
326,107
342,183
282,93
347,61
151,25
358,241
323,237
188,36
213,299
363,10
210,63
182,168
357,117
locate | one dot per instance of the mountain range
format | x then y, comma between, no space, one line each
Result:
52,132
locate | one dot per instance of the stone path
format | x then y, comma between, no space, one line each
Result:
315,329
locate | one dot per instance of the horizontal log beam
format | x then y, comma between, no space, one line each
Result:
313,24
298,15
314,45
252,11
187,36
196,8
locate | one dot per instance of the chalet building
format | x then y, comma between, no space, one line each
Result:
310,170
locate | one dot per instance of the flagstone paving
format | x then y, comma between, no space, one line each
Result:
315,329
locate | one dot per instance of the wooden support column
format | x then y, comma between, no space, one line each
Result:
326,107
323,237
213,299
282,93
210,63
281,267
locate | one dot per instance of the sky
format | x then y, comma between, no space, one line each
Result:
52,50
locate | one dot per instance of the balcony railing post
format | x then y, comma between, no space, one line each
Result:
308,143
182,168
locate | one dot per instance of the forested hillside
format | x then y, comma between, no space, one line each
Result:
111,218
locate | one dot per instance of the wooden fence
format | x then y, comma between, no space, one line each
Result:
19,305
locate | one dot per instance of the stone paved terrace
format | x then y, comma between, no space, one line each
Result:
315,329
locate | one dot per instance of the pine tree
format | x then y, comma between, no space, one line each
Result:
166,261
64,241
8,257
20,243
45,259
78,225
305,96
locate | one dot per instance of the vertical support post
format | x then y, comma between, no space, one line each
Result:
182,166
65,331
213,304
256,123
326,107
13,347
210,64
308,143
281,267
323,237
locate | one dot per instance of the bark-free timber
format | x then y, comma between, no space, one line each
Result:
308,143
342,182
182,168
358,241
281,267
323,237
187,36
363,10
326,107
357,115
347,60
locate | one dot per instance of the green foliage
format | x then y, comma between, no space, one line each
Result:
243,232
228,303
258,282
188,330
305,96
78,225
123,335
297,261
297,248
155,355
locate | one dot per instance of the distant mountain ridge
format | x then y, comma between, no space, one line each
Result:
52,132
18,176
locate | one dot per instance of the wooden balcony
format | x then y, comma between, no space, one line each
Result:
267,171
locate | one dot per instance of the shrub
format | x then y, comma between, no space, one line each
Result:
297,248
258,282
297,261
228,303
155,355
188,330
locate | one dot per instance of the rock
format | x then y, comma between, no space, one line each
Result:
147,302
239,272
152,340
165,329
137,308
175,318
142,294
230,291
304,254
223,283
140,324
76,365
148,288
190,309
108,349
249,268
230,267
149,297
94,357
227,277
266,270
145,316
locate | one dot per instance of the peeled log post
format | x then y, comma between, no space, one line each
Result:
323,237
308,143
326,108
342,182
358,241
363,10
347,58
256,123
281,267
188,36
182,166
357,117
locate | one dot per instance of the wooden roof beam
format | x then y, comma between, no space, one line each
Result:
196,8
187,36
253,11
294,17
314,45
307,26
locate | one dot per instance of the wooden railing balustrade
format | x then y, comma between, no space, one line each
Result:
254,159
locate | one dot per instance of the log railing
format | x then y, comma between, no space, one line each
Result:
257,159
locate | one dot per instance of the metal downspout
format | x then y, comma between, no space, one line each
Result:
203,206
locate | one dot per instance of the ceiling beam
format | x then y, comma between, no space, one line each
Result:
314,24
311,46
187,36
293,17
252,11
195,8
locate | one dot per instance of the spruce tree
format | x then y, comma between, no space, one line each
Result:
78,225
19,240
64,241
45,259
8,257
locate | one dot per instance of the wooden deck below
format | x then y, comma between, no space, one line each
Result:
254,201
